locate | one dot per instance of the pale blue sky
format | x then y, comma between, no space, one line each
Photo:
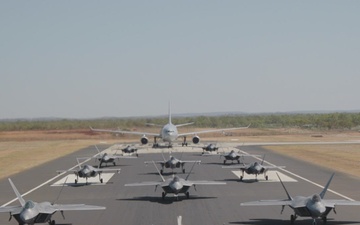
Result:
85,59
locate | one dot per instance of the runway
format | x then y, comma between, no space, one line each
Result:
215,205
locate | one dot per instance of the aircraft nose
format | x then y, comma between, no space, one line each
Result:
25,216
176,187
317,209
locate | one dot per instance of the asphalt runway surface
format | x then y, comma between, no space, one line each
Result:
210,204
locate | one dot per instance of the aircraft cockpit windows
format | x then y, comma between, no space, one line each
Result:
29,205
176,179
316,198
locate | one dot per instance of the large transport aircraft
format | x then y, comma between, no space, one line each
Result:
168,133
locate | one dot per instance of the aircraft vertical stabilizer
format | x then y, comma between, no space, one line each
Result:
322,194
170,113
18,195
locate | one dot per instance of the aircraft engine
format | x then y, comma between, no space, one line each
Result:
144,140
196,139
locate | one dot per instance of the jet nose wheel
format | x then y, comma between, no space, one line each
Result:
187,195
163,195
101,180
241,178
292,219
75,181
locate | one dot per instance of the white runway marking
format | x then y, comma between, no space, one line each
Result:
271,175
82,181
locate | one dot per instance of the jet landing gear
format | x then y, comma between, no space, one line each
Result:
266,176
51,222
163,194
187,195
184,142
155,145
292,219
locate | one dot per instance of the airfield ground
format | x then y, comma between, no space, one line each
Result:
21,150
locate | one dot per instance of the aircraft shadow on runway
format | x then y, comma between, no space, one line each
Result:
297,222
168,200
246,181
167,173
84,184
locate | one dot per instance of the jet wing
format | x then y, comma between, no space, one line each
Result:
267,203
12,209
122,157
212,131
108,170
125,132
190,161
157,162
242,167
70,207
203,182
332,202
273,167
150,183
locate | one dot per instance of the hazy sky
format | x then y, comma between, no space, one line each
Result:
84,59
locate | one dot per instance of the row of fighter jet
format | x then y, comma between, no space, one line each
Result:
314,206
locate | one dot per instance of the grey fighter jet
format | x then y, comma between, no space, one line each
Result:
175,185
314,206
130,149
168,133
173,163
210,148
87,171
109,158
234,156
255,168
30,212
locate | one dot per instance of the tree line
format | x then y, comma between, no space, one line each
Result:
327,121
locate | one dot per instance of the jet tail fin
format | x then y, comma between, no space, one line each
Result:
191,170
323,192
97,149
287,193
262,162
170,113
18,195
162,178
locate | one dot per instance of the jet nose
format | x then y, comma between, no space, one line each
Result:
25,216
317,209
176,187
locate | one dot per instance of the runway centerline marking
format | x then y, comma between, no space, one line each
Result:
302,178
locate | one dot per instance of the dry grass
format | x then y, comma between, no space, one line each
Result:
20,150
342,158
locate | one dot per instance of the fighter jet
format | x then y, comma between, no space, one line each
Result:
210,148
173,163
168,133
30,212
175,185
233,155
108,158
87,171
130,149
255,168
314,206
